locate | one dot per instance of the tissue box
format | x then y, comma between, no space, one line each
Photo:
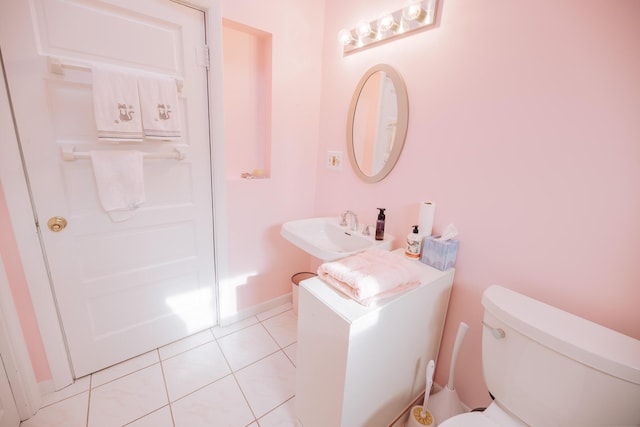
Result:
439,254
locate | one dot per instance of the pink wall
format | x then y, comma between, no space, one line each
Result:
524,131
260,261
247,98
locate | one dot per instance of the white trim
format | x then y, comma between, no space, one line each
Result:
15,355
14,184
257,309
213,26
213,23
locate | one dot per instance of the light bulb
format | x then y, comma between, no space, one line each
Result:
413,12
345,37
363,30
387,23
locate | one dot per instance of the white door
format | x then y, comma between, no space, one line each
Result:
122,288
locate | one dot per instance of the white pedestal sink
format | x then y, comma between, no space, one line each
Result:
325,239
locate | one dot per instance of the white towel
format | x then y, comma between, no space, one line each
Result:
116,105
160,109
371,275
120,180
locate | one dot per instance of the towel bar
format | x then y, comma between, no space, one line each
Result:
69,154
57,66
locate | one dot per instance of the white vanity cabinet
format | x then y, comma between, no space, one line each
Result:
360,366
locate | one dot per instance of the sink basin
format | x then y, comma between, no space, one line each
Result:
324,238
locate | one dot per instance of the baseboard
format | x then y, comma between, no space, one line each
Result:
256,309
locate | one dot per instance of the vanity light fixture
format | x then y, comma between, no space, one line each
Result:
416,15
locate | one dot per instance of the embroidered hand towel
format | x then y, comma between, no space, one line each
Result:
116,105
160,109
120,180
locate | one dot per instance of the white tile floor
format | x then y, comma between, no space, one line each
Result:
239,375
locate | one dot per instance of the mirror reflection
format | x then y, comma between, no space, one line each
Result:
374,123
377,123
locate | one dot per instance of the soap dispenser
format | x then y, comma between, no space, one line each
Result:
380,225
413,244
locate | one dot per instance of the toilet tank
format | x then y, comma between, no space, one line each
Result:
551,368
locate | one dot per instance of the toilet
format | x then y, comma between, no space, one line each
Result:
547,367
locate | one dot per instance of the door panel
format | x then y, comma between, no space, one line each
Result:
126,36
122,288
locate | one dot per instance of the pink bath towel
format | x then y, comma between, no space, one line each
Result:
371,275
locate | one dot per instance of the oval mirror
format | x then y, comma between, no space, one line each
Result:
377,122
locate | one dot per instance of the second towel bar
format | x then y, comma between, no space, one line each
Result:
57,66
69,154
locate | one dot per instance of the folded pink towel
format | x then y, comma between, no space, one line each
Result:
371,275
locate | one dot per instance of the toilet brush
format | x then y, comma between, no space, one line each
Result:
420,415
446,403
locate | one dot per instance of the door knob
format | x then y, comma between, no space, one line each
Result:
56,223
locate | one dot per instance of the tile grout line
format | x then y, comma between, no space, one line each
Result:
128,373
166,389
201,387
281,349
233,332
273,409
276,341
185,351
233,373
271,335
89,398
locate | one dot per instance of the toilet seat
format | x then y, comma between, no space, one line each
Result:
469,419
493,416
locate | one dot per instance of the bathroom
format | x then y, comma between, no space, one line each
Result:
522,129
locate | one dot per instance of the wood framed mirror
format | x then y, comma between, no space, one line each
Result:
377,122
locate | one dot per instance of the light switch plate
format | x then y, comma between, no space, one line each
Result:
334,160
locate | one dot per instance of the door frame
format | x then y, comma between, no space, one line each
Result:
21,208
15,355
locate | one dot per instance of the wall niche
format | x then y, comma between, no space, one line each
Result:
247,63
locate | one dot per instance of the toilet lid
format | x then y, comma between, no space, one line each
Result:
469,419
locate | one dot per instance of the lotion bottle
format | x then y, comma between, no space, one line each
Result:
413,243
380,225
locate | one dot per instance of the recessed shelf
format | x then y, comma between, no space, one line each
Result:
247,100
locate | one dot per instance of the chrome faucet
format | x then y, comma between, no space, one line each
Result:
354,220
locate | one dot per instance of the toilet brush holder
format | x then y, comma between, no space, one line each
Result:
420,415
420,418
446,403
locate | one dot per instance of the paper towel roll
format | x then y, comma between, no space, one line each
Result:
425,222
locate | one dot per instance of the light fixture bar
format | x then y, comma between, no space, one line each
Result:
416,15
